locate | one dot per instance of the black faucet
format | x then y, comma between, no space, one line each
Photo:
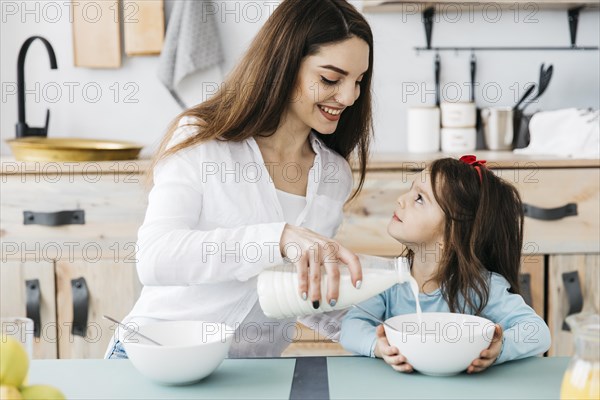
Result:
23,130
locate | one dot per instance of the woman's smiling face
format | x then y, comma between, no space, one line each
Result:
328,82
418,219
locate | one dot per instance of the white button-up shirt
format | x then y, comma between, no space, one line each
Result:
214,222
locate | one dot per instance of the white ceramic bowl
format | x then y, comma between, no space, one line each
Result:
442,343
190,351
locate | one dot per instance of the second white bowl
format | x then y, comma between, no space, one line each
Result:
441,343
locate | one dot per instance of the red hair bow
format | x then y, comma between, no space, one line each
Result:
472,160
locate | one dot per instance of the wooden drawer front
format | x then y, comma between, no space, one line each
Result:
550,188
114,207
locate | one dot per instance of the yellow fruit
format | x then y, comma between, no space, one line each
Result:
41,392
14,362
9,393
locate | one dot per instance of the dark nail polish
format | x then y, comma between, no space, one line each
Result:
316,304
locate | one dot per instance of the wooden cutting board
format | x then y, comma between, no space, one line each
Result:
144,26
96,33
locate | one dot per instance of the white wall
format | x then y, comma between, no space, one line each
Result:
398,69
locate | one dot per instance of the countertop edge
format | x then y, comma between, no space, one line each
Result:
377,162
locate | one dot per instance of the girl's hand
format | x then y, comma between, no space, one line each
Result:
489,355
390,354
309,250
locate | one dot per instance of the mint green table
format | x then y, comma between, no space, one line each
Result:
341,378
533,378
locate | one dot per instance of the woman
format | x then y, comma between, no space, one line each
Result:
258,174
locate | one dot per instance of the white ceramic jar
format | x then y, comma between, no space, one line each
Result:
459,115
423,129
456,140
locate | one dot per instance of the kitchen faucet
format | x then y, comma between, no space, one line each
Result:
23,130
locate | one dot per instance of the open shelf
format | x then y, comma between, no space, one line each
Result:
385,6
506,48
428,9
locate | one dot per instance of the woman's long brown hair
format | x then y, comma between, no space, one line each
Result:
257,92
483,232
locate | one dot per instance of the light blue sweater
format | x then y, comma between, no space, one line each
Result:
525,333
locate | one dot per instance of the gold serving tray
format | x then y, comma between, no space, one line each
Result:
72,149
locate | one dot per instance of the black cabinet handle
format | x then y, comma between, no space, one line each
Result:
574,295
34,296
74,217
81,300
549,214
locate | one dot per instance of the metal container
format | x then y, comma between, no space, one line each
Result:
498,127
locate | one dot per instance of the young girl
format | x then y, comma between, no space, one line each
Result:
257,173
463,230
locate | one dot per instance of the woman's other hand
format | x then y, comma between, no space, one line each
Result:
390,354
489,355
309,250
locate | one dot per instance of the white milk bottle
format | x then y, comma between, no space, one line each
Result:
278,286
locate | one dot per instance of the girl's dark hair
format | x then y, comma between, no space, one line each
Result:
256,93
483,232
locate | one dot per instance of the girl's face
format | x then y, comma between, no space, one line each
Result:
418,220
328,82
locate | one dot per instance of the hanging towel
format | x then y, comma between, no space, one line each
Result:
191,43
568,132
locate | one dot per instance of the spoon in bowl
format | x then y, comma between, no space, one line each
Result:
374,317
131,330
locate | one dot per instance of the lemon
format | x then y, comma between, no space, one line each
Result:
9,393
41,392
14,362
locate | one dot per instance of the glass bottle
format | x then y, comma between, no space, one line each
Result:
278,286
581,380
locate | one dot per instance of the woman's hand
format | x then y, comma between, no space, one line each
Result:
308,251
489,355
390,354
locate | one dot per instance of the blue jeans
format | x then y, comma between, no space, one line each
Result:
118,352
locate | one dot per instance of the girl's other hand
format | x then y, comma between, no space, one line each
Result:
390,354
489,355
309,251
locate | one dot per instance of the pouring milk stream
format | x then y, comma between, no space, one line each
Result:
278,287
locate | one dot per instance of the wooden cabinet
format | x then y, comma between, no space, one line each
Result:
97,251
113,196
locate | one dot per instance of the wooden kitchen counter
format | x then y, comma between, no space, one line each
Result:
282,378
